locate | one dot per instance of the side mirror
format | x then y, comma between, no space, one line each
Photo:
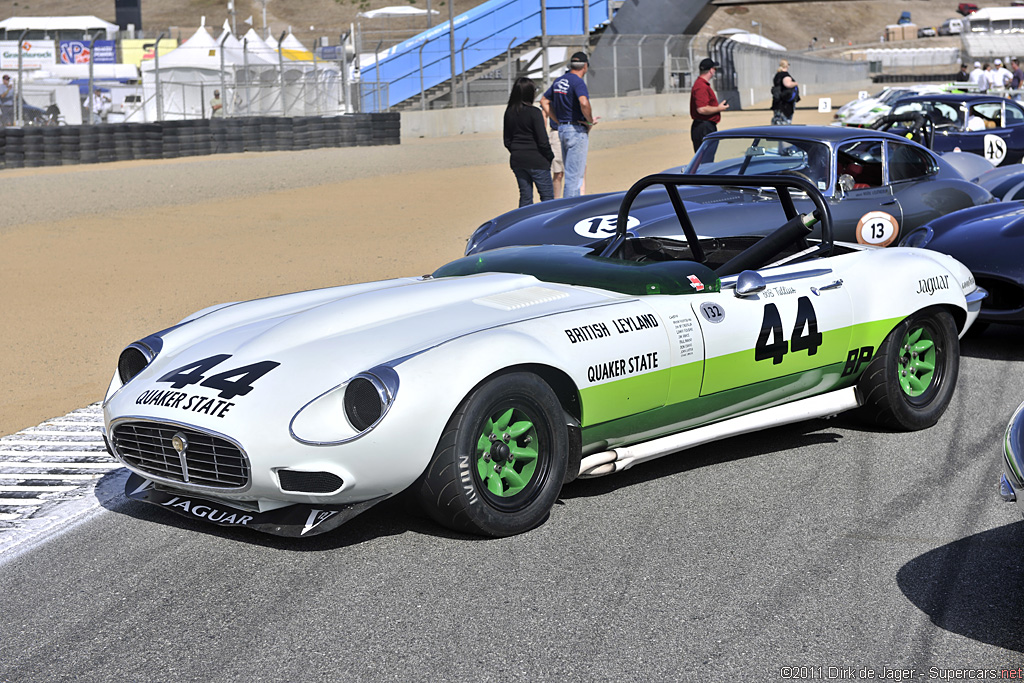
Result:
846,182
750,282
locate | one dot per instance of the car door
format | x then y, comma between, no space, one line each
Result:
1013,120
986,135
910,172
786,338
869,213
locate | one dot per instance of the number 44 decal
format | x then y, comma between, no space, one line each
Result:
772,344
237,382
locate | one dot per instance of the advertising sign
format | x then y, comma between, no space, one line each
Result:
136,50
77,52
35,54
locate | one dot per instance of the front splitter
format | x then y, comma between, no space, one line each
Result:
295,521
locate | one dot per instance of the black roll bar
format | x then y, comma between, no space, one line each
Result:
782,184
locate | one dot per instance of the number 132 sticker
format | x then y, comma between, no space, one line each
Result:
877,228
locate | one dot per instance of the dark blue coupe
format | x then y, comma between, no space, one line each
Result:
988,125
879,187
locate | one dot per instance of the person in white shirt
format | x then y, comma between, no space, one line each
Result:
999,77
978,76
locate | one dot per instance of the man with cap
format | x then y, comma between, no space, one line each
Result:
7,101
999,77
978,77
567,103
704,107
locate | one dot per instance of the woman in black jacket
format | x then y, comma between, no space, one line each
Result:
527,141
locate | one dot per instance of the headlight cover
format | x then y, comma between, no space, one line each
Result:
920,238
347,411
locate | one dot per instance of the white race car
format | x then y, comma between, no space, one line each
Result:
485,387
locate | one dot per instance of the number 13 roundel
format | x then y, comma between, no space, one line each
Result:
877,228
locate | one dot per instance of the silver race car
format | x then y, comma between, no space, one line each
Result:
486,386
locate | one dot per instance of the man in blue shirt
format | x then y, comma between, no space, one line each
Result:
567,103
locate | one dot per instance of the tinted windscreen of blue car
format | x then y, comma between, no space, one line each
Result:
756,156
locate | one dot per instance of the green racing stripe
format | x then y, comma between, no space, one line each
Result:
706,391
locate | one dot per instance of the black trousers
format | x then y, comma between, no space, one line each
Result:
699,129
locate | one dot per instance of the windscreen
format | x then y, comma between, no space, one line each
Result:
758,156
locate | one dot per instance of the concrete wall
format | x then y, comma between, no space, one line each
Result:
464,121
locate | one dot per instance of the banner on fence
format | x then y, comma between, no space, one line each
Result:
77,52
136,50
35,54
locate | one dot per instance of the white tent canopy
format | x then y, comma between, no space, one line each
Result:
743,36
83,23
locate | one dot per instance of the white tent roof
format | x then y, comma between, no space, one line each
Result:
743,36
76,23
290,42
396,12
201,51
271,42
257,45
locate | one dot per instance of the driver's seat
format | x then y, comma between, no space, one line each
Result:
855,170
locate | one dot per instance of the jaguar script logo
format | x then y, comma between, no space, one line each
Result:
932,284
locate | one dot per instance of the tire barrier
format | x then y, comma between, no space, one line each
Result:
33,146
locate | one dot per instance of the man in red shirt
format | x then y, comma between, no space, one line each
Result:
704,107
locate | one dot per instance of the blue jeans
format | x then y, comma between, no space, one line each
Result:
575,140
527,178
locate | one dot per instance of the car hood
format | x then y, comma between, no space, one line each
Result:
583,220
322,338
987,239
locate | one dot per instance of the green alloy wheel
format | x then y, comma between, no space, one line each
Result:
501,460
910,381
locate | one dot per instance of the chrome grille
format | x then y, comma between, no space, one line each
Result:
208,460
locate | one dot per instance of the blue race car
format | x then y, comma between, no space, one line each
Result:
988,125
879,187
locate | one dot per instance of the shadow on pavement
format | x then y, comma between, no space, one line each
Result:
973,587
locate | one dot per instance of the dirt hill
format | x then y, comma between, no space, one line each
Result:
795,25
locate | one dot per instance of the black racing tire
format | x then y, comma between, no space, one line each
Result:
468,489
909,383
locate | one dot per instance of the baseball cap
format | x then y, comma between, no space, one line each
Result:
998,62
707,64
977,65
579,58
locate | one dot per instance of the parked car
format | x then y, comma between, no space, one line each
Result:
951,27
927,32
904,18
879,187
864,113
1011,482
988,125
485,387
989,240
966,8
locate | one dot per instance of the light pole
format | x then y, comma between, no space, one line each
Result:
758,25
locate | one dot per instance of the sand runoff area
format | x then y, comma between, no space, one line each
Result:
94,257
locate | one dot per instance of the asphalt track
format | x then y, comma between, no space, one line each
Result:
828,546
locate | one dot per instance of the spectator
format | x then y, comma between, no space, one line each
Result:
705,110
526,138
785,95
216,106
568,102
6,101
999,78
962,76
978,76
557,167
985,82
